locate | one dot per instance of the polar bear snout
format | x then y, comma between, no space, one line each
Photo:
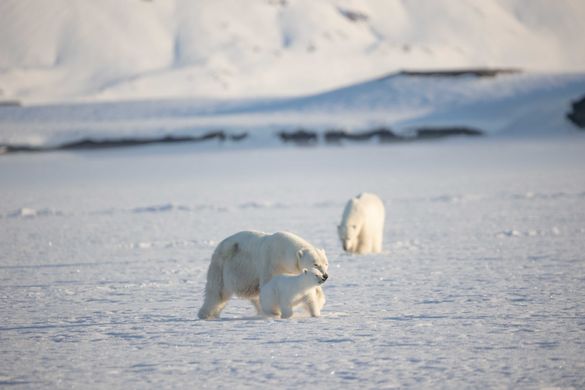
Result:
320,273
348,244
321,278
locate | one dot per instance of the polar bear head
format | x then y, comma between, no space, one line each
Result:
351,226
313,277
313,259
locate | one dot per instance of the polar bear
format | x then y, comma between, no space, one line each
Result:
362,224
283,292
247,260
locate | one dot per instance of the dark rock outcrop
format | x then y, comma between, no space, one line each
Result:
382,134
440,132
577,114
93,144
480,72
299,137
9,103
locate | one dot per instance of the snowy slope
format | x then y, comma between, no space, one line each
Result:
60,50
506,104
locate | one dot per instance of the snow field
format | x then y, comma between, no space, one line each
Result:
479,284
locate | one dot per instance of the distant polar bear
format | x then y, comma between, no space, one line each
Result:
247,260
362,224
283,292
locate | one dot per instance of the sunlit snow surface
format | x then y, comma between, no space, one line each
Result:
103,259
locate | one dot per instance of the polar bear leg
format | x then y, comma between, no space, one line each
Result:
274,311
364,242
287,312
320,295
314,301
377,247
268,305
213,305
271,310
256,302
364,246
216,295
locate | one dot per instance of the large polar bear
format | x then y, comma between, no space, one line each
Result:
362,224
244,262
283,292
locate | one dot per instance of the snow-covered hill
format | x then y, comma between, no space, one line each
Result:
60,50
504,104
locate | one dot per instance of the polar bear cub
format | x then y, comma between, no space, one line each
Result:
362,224
283,292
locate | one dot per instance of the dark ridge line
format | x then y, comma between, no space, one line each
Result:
434,132
383,135
10,103
300,137
92,144
577,113
304,137
477,72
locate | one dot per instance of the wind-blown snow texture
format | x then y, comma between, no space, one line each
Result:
480,285
60,50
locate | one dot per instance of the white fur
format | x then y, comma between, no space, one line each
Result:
283,292
362,224
244,262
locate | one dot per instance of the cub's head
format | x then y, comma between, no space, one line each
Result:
313,259
314,277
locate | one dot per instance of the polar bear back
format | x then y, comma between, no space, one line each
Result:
282,249
365,205
250,259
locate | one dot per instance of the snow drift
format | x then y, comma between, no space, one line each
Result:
64,51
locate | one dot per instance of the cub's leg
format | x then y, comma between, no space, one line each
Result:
287,312
314,301
268,305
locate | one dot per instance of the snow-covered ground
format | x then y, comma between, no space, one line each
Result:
103,260
59,50
103,253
